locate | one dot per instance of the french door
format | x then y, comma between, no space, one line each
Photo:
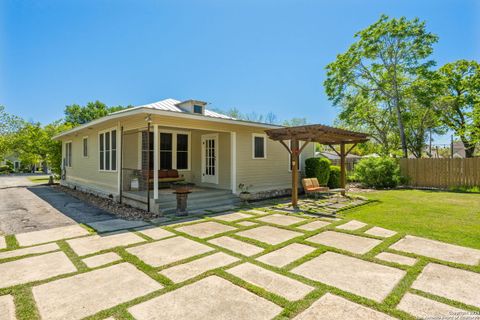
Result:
210,158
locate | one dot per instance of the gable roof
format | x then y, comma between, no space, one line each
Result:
168,107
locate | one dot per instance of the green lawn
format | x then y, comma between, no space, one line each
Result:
39,179
445,216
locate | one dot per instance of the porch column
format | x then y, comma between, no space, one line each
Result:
155,161
295,151
233,161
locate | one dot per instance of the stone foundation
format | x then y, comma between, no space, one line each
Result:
91,190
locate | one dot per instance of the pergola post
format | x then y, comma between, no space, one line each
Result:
294,155
343,177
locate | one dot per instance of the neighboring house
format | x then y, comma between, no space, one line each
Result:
350,159
111,156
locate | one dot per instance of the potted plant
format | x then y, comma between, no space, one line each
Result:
244,195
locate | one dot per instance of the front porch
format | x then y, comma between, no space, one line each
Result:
154,156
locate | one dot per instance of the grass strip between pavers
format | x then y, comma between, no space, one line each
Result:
26,309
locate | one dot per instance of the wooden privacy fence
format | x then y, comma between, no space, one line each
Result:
441,173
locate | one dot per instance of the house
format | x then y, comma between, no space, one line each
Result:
128,155
351,159
14,159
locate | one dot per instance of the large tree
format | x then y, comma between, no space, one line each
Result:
458,102
76,115
9,126
386,58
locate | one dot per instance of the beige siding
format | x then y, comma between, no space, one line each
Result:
264,174
85,171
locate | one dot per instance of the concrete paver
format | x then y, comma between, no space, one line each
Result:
352,225
332,307
101,259
315,225
193,268
116,224
212,298
170,250
348,242
49,247
232,216
281,219
3,243
95,243
282,257
423,308
88,293
205,229
392,257
270,235
156,233
438,250
247,249
7,308
366,279
273,282
49,235
380,232
34,268
451,283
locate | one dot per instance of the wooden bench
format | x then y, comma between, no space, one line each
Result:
164,176
311,186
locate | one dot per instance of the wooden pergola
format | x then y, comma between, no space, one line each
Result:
326,135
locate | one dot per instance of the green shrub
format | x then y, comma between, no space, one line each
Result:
5,169
378,172
318,168
334,179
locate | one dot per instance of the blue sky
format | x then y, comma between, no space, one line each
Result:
255,55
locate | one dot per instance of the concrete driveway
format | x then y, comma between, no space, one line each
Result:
26,206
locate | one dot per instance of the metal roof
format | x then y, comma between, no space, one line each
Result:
171,105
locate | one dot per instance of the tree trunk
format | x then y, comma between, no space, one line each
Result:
469,148
401,129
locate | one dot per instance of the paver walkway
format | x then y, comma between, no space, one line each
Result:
201,270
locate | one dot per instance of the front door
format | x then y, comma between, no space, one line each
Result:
210,158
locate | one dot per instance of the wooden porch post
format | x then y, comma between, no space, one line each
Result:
294,155
343,178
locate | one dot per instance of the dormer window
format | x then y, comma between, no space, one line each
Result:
198,109
192,106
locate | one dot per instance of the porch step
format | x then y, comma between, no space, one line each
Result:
199,201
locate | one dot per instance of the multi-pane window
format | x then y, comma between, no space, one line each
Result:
166,150
259,146
174,151
182,151
68,154
108,150
85,147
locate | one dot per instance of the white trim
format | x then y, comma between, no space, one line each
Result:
139,147
174,147
141,110
116,149
217,162
67,165
156,136
233,161
260,135
119,156
83,147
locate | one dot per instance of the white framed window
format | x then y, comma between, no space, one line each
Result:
68,154
259,146
107,142
175,149
85,147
